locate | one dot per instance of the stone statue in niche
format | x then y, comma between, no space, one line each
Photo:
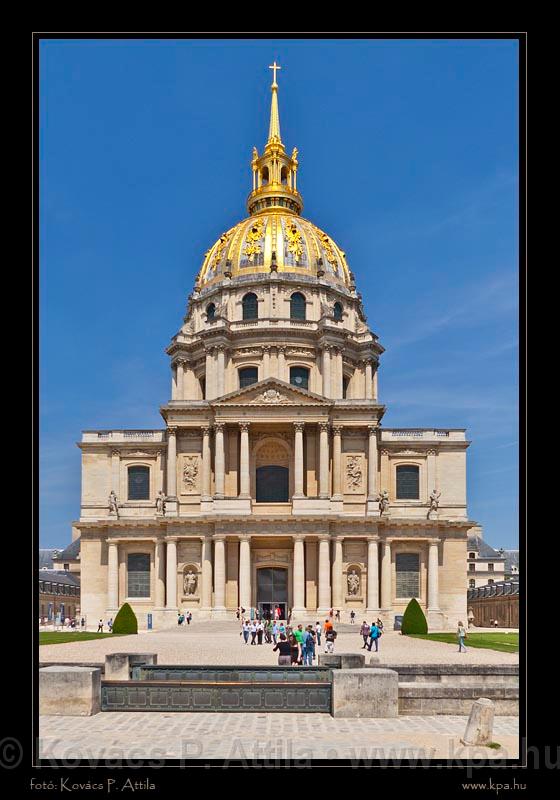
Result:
354,472
190,582
353,583
383,499
434,500
190,472
113,503
160,502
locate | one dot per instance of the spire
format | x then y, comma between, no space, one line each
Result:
274,130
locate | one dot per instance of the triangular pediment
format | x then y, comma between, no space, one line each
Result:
271,392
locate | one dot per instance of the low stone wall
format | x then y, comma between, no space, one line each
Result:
118,666
458,674
437,698
69,691
342,660
365,693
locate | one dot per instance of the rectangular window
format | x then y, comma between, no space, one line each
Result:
490,567
408,482
138,483
472,567
138,575
408,574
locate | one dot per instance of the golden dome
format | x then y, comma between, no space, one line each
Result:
281,242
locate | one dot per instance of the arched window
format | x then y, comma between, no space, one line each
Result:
202,384
264,176
138,575
284,175
297,306
250,306
210,312
407,567
408,482
337,312
299,376
247,376
138,483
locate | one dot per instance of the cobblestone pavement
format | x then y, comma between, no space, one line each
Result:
219,642
157,736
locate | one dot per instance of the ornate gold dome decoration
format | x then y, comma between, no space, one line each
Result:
274,242
274,238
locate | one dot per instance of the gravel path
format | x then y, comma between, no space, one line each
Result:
220,643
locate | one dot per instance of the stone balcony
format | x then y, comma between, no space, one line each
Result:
123,436
423,434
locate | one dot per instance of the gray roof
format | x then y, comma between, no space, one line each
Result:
512,559
70,553
59,576
484,550
46,557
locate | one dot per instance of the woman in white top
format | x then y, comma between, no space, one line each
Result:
461,634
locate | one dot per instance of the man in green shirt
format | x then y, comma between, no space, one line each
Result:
298,633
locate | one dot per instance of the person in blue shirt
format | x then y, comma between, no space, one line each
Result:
308,646
373,637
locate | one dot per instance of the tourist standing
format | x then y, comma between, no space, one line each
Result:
82,623
189,618
282,629
110,625
331,614
260,631
284,651
461,636
294,648
380,626
308,647
246,631
352,616
100,626
337,617
275,631
364,632
330,637
253,632
318,633
298,633
328,624
373,637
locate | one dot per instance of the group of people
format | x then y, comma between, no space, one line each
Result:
295,645
182,618
371,634
109,625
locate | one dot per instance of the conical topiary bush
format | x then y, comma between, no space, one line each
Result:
125,621
414,620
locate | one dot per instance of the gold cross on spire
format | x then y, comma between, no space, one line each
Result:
274,67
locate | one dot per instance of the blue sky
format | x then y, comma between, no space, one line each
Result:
408,154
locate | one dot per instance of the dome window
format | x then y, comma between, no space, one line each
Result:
284,175
250,306
337,312
247,376
297,306
299,376
210,312
264,176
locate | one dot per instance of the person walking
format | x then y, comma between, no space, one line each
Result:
298,633
253,632
294,647
308,646
364,632
260,631
282,629
373,637
461,636
337,617
380,626
331,614
246,630
284,649
318,633
100,626
110,625
275,632
330,638
82,623
352,616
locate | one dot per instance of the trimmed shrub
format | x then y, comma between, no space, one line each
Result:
414,620
125,621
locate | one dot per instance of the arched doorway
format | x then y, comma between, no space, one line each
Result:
272,484
272,591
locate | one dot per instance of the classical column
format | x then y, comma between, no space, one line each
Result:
282,363
206,463
298,459
299,575
324,574
174,381
369,382
206,559
221,371
171,574
219,573
336,373
219,459
172,462
372,463
266,361
336,460
373,574
159,567
245,572
180,379
113,575
210,376
326,372
244,480
324,459
433,567
375,395
431,471
337,596
386,590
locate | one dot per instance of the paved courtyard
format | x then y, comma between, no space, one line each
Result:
220,643
171,735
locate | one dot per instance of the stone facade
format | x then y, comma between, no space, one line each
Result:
273,460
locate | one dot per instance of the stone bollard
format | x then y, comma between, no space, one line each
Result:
118,665
480,724
374,661
70,691
365,693
342,660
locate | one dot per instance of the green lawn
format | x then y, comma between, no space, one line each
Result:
505,642
62,637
